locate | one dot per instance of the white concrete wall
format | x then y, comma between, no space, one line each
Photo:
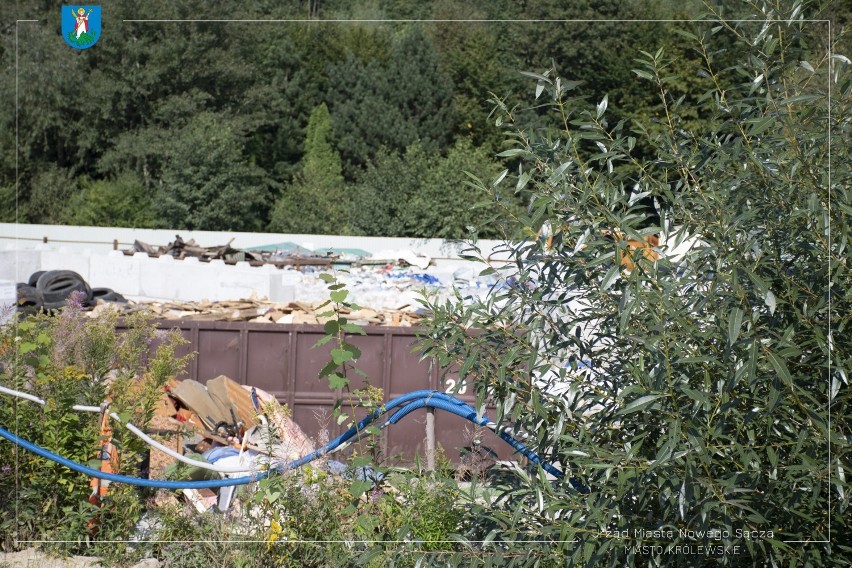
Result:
8,297
89,252
140,276
17,265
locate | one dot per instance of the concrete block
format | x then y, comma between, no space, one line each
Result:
283,286
8,298
156,279
67,259
17,265
237,282
193,280
116,271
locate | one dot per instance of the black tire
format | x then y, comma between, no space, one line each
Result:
57,285
30,299
34,277
107,295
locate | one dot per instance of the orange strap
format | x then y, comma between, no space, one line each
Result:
108,456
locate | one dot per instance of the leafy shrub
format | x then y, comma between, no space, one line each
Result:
702,398
66,360
123,202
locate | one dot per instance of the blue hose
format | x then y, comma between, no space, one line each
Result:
408,403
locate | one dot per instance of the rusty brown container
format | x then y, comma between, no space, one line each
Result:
282,360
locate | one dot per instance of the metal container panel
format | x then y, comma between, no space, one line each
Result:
283,360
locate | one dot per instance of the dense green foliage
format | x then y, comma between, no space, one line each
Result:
205,124
713,406
67,360
312,203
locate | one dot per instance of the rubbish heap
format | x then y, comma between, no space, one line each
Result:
280,254
226,424
256,310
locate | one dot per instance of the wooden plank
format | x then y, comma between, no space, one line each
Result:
228,392
195,396
165,406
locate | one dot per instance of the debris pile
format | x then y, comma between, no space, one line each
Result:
389,285
255,310
226,412
280,255
226,424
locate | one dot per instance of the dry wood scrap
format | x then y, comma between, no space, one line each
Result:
195,396
263,311
244,314
239,304
304,307
221,251
206,316
189,417
139,246
190,251
230,394
202,499
165,406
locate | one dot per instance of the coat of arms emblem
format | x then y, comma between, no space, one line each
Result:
81,25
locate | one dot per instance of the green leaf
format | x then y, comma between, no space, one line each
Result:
340,356
331,327
781,369
358,488
352,350
354,328
639,404
328,369
759,125
337,382
339,296
27,347
322,341
610,277
325,277
601,108
644,74
361,461
801,99
367,558
735,320
511,153
536,76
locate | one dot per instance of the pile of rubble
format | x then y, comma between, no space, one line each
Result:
50,290
224,423
280,255
391,290
256,310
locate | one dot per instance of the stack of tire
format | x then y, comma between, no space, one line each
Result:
49,290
